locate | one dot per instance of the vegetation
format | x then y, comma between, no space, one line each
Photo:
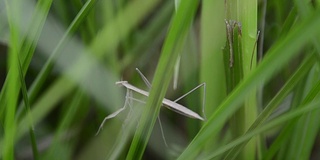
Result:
60,61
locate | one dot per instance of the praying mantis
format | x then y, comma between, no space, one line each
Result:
172,105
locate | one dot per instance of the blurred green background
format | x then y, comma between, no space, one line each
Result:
60,60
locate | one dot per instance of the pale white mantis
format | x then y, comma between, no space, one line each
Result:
172,105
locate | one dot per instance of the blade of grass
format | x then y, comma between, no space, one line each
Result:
305,10
286,27
281,95
155,29
30,39
212,40
280,120
77,100
170,52
241,21
177,65
248,16
34,30
276,58
290,22
27,108
234,71
189,76
46,70
306,128
60,6
289,128
110,36
103,42
211,64
308,100
283,137
262,27
88,29
11,94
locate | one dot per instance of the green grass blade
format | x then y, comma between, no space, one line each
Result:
307,127
102,44
11,94
213,38
27,108
154,31
34,30
305,9
189,61
310,97
289,128
46,103
31,38
110,36
248,16
211,66
170,51
240,59
233,59
280,120
46,70
77,100
276,58
289,22
281,95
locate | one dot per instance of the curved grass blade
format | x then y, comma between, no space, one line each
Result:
284,118
170,52
11,94
306,128
291,83
289,128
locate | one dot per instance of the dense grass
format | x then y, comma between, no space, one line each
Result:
60,61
